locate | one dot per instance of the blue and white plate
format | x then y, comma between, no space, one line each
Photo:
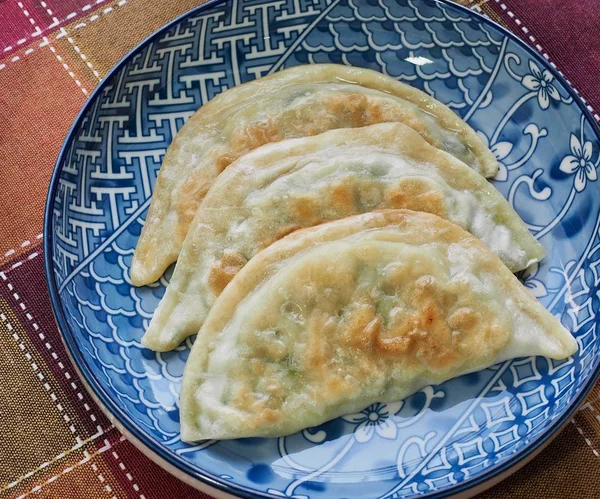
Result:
455,438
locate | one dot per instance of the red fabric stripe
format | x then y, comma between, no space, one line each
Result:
47,15
28,282
133,469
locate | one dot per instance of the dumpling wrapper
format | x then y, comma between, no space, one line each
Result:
366,309
284,186
296,102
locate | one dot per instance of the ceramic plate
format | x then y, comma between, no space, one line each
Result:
443,440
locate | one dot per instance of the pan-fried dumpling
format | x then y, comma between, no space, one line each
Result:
297,102
336,317
297,183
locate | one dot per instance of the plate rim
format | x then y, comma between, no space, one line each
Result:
204,480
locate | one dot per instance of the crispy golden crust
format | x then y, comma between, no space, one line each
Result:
296,102
224,269
284,186
333,318
415,194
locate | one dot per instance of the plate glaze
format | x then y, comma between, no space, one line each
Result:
443,440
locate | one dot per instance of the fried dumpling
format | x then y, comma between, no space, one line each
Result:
336,317
296,102
297,183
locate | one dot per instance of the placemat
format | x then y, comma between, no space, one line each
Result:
54,441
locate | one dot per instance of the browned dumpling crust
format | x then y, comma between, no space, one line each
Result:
284,186
339,316
297,102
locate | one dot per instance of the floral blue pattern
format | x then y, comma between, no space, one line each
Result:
374,420
440,440
541,82
580,163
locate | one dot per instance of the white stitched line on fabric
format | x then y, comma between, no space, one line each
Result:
87,457
77,26
589,405
31,20
541,51
64,64
50,13
81,54
55,21
101,478
587,440
22,245
36,370
57,458
48,346
523,28
71,74
108,10
127,474
18,264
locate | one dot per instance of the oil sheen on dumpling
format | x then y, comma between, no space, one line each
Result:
336,317
297,102
284,186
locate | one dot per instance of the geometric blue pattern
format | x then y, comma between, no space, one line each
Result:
442,439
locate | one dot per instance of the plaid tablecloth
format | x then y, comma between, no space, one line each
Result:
54,441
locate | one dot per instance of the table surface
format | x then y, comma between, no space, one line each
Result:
54,441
